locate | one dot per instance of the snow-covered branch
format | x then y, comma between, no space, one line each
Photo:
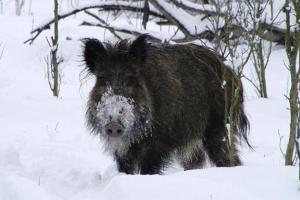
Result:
128,30
196,8
103,6
191,19
186,23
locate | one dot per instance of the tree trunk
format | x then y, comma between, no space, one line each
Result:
18,6
294,119
292,46
298,129
55,62
262,72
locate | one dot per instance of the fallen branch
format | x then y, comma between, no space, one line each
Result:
161,6
104,6
206,10
123,30
164,10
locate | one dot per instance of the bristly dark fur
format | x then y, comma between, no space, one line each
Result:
178,90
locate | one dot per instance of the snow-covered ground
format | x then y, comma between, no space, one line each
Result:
47,153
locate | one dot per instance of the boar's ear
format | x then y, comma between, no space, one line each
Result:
138,48
93,52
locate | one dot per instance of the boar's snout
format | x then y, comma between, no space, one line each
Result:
114,129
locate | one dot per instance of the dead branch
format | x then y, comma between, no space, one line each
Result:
102,7
104,24
1,51
271,32
252,82
280,143
194,8
171,18
146,14
122,30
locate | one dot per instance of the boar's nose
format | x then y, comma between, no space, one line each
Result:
114,129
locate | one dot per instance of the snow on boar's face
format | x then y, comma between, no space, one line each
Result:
119,108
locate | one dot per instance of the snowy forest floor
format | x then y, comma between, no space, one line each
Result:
47,153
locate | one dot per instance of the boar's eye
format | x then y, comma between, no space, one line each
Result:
102,81
131,81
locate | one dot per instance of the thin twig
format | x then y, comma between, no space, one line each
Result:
104,23
122,30
252,83
173,35
2,51
280,143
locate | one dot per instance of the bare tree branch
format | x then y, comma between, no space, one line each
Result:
104,23
121,6
146,14
195,8
1,51
252,82
171,18
122,30
270,33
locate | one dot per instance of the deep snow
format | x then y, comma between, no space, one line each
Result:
47,153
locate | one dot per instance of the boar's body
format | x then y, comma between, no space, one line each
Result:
181,87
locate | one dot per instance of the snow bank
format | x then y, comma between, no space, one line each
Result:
47,153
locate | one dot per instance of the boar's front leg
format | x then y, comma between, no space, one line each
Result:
154,161
125,164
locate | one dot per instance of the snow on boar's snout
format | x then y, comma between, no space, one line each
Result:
115,114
